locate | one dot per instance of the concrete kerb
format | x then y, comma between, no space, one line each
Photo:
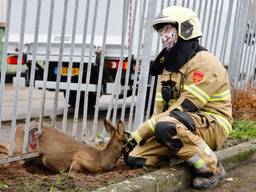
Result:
178,177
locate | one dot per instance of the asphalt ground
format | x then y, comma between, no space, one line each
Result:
241,179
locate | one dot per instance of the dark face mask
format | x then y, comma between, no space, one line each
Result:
176,57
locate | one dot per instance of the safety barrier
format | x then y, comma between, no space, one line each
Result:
89,49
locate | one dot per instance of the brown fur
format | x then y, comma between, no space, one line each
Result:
60,152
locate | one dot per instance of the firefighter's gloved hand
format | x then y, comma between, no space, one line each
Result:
130,143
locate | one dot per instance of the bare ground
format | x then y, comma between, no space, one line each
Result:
32,176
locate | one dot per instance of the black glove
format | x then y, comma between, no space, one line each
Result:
130,144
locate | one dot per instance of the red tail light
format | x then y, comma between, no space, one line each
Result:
113,64
13,60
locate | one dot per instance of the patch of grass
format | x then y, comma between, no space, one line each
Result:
28,186
60,182
244,129
3,186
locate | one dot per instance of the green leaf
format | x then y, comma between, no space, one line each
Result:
3,186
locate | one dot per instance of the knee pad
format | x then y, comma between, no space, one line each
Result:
134,162
164,132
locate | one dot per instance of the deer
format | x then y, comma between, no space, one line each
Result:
60,152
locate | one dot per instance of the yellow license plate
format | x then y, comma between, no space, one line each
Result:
75,71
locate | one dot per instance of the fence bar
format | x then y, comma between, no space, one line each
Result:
32,77
204,18
226,32
194,5
70,66
4,63
183,3
153,79
88,74
17,80
131,35
209,23
232,65
16,158
253,56
240,39
168,3
253,66
115,93
59,69
244,59
81,70
187,3
199,11
120,67
218,28
46,66
102,59
142,89
249,41
214,24
246,56
135,81
150,97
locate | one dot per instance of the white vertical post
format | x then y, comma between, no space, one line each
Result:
18,75
146,55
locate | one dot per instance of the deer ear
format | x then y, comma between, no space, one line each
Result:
120,127
108,126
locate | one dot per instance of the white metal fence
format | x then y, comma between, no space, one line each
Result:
87,38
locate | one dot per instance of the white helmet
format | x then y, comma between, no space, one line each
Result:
186,20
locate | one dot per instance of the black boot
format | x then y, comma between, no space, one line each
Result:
210,182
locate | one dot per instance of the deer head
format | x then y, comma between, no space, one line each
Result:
116,144
34,134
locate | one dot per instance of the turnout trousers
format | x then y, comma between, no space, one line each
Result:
173,138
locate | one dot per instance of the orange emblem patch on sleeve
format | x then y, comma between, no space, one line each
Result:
198,76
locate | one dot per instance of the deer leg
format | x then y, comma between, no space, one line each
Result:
74,168
48,163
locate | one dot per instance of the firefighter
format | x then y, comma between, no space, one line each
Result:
192,115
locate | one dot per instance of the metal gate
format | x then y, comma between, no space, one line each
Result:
86,50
